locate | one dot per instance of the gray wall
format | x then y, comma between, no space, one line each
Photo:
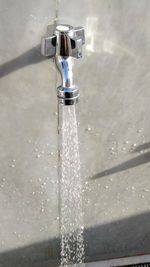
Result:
114,129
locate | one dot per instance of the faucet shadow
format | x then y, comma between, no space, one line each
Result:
125,237
132,163
32,56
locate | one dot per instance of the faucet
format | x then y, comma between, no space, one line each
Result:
65,44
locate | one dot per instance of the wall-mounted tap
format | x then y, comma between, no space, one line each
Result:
65,44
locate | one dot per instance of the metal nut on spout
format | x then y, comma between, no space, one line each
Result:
67,95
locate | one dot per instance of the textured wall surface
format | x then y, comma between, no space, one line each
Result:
114,129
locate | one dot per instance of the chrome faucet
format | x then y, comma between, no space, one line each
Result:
65,44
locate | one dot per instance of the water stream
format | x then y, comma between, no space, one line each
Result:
70,185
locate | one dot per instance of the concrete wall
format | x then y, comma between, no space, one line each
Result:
114,129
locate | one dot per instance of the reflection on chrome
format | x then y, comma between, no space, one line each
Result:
96,39
92,29
100,39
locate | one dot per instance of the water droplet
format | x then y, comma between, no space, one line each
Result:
52,153
3,179
33,193
141,196
13,160
12,165
57,218
42,209
140,130
146,190
38,156
88,129
106,186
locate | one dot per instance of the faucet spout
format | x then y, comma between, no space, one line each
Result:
68,94
64,66
65,44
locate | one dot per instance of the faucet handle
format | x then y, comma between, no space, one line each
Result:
79,34
72,42
48,46
77,41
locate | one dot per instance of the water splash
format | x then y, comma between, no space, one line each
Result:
71,215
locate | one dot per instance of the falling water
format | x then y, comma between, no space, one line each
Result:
71,215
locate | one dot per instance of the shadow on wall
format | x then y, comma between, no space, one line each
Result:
121,238
32,56
137,161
